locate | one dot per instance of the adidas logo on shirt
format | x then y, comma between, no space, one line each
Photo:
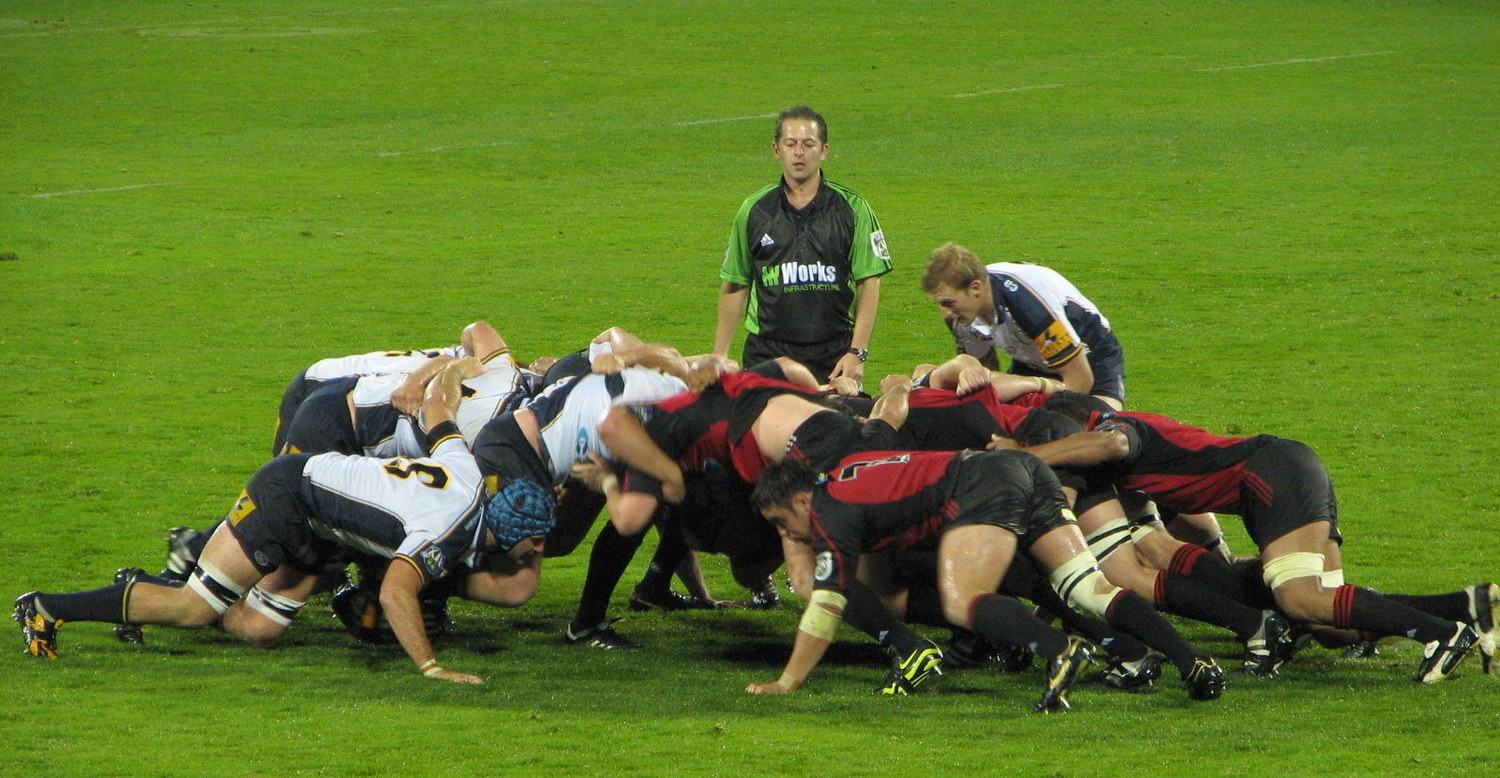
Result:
765,240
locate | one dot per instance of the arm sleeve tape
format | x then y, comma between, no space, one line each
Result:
820,619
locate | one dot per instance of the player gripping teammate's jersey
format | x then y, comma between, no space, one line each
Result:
383,431
567,416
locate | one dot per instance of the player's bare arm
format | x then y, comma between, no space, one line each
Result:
399,593
622,432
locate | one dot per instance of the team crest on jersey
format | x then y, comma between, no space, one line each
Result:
432,561
243,507
766,241
877,245
825,566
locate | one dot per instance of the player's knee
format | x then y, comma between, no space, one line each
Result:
191,612
1305,600
958,607
1297,581
209,593
1079,582
261,635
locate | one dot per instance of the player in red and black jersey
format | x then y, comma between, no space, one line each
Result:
685,434
1281,489
940,420
731,432
978,509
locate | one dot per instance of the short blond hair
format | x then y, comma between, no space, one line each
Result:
953,266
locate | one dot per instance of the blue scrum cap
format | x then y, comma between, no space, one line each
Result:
521,510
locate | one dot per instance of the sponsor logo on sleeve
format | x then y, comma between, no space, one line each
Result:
243,507
1054,342
432,561
877,245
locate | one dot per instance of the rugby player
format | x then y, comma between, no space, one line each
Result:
1281,490
431,517
979,509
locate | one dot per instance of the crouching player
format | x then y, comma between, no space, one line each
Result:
979,509
431,517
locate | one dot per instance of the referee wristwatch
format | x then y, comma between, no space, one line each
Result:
862,353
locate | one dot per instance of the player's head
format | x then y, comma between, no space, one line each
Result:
957,281
521,510
801,144
1077,406
782,481
801,113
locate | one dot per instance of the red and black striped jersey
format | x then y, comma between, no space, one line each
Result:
876,500
940,420
694,428
1183,468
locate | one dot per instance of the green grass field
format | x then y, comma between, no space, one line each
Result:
1288,210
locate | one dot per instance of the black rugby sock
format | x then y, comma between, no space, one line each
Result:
1004,621
610,556
1131,613
1117,643
102,604
1355,607
1453,606
1180,596
866,613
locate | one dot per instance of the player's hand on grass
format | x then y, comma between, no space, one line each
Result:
444,674
775,687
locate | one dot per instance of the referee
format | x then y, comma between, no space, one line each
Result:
804,262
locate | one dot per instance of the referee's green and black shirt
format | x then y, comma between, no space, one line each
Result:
801,266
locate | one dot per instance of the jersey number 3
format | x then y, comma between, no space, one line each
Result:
429,475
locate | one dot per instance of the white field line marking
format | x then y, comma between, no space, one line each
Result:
1296,61
22,32
108,189
730,119
436,149
1012,89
